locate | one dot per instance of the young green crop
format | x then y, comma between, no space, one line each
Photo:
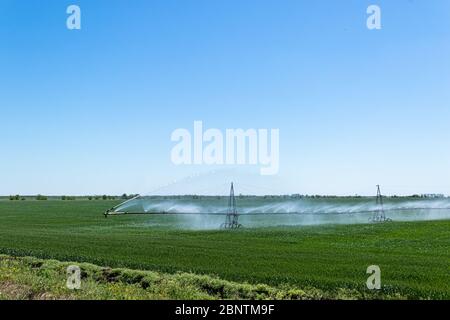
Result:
413,256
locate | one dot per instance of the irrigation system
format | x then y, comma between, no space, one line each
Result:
232,215
379,214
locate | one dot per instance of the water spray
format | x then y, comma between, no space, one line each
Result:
112,211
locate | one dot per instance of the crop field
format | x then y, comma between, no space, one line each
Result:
414,257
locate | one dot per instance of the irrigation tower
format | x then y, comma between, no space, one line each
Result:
231,219
379,214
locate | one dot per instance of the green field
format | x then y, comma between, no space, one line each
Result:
414,257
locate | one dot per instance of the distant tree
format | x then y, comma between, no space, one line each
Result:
90,198
41,197
104,197
63,198
124,196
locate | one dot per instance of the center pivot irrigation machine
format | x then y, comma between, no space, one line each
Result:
231,216
135,205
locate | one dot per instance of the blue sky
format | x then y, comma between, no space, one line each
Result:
92,110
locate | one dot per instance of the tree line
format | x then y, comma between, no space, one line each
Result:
68,198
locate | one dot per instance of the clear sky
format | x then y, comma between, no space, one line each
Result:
92,110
